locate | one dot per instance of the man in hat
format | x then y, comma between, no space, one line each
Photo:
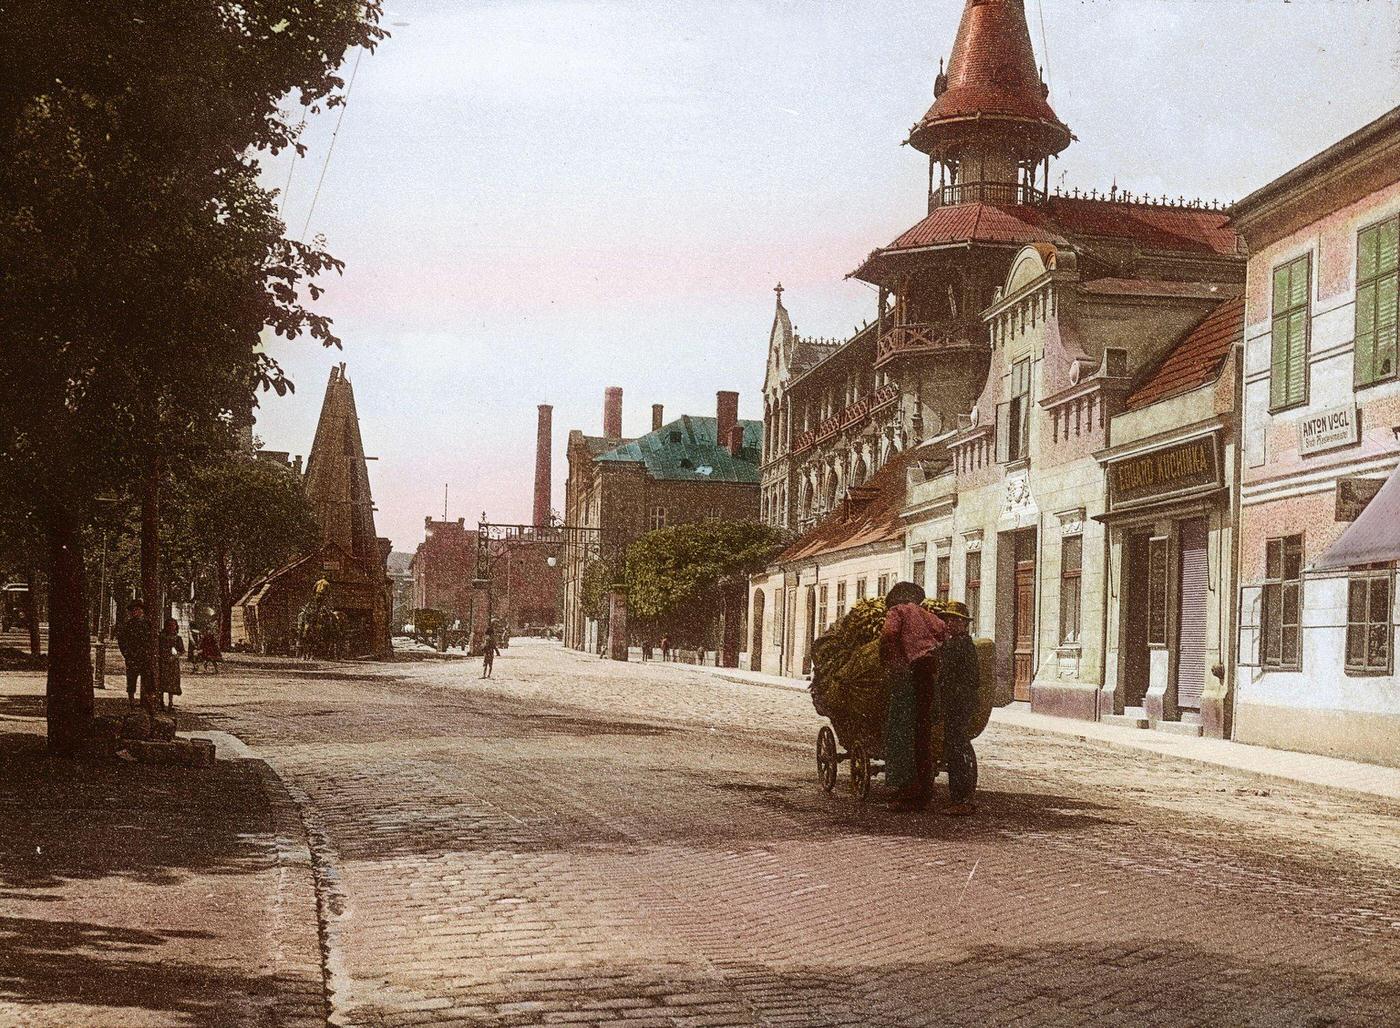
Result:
134,642
958,680
909,641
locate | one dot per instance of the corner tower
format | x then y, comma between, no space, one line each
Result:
991,130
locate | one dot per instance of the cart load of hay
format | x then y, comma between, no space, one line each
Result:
851,687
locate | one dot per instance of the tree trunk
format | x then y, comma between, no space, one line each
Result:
150,568
69,687
225,601
31,611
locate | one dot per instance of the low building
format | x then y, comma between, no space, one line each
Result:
1320,495
688,469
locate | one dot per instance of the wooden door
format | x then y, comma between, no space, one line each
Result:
1134,667
1023,631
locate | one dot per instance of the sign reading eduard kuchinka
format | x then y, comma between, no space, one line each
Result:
1166,472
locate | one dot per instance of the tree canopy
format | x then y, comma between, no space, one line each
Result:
678,577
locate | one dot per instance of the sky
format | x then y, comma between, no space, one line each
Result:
537,199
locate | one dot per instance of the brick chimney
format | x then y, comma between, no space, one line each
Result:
735,441
612,412
543,437
726,414
657,416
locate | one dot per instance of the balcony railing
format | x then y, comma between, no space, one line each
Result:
985,192
850,415
914,340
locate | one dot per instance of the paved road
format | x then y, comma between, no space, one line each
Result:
582,842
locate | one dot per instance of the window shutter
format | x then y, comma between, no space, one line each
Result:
1298,284
1280,290
1023,429
1003,432
1365,345
1387,308
1297,356
1387,244
1278,372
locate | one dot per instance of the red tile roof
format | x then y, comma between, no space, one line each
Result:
991,74
873,515
1065,220
1196,360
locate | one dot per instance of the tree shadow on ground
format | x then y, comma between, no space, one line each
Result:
45,963
1133,982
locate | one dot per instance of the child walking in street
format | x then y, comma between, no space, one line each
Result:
488,655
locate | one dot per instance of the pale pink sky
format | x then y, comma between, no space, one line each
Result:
536,199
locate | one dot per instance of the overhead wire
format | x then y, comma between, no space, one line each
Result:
287,189
344,103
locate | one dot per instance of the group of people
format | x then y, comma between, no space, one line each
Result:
134,642
934,662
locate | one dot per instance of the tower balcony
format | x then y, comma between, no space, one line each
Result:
852,414
921,340
1004,193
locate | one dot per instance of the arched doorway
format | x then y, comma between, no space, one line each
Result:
756,626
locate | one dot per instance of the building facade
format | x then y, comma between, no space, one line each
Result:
1320,494
688,469
443,567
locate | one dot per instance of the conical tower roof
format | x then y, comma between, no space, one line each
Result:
991,87
337,478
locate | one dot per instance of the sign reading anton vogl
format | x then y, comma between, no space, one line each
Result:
1169,471
1336,426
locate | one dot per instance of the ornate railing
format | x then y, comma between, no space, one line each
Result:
986,192
848,416
909,340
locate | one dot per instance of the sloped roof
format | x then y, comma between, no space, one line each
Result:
686,450
1064,220
1195,361
873,515
337,478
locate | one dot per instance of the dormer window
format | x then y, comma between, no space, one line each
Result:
1014,416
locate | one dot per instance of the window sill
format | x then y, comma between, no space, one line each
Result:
1388,380
1020,463
1292,406
1376,672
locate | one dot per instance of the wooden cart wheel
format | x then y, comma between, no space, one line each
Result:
860,772
826,758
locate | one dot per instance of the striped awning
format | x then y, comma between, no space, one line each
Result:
1374,537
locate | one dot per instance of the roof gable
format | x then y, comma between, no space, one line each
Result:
1195,361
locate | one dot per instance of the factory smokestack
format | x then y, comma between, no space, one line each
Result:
543,443
612,412
726,415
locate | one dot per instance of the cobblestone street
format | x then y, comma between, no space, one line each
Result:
579,841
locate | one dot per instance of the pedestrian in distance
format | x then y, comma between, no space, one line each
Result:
909,643
646,650
209,652
488,655
958,679
665,648
171,648
134,642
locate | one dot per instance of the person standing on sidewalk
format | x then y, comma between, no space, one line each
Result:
959,676
171,648
134,642
488,654
909,643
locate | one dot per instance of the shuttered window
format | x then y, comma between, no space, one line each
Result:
1191,614
861,588
1377,302
972,591
821,609
840,600
1369,628
1071,568
882,584
1157,591
1283,587
1288,377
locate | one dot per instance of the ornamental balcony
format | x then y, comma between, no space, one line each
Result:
853,414
918,340
1005,193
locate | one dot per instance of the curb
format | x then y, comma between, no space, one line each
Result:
297,927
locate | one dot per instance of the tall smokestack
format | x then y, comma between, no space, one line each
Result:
612,412
735,439
657,416
726,414
543,435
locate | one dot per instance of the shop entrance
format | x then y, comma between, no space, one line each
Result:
1133,661
756,646
1023,614
1191,614
811,629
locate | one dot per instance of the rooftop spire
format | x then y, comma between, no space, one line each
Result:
991,86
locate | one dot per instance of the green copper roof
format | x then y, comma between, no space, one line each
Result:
686,450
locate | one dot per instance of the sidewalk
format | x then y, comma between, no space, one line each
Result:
141,895
1332,773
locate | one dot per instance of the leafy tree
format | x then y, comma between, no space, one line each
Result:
140,259
681,578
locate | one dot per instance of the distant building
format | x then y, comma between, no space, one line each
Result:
351,556
688,469
401,577
443,567
1319,521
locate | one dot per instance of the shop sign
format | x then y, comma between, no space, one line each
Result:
1353,494
1325,430
1185,467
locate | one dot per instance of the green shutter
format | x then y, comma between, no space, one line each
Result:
1388,237
1365,344
1297,356
1278,366
1387,308
1298,284
1280,289
1366,241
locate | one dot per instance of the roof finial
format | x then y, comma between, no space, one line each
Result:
779,290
